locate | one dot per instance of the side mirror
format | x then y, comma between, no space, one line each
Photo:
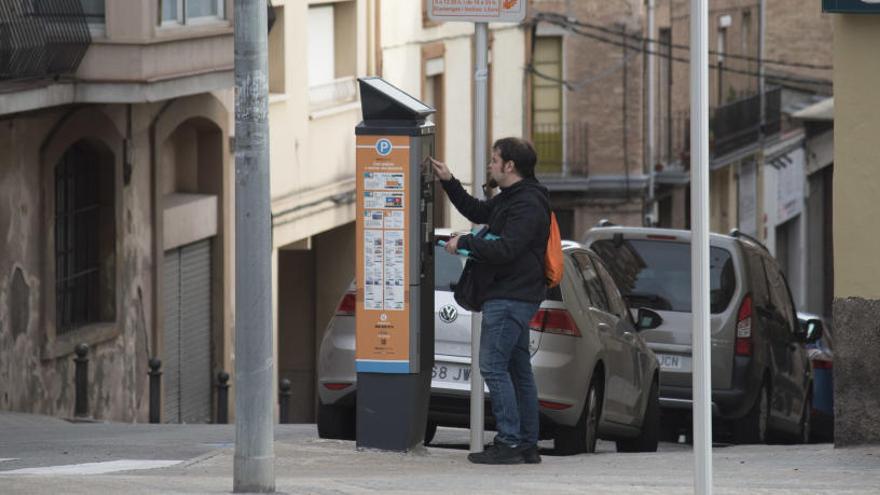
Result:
813,330
647,319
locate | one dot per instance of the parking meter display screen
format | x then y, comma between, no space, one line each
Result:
408,101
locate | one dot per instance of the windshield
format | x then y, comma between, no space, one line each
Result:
657,274
447,269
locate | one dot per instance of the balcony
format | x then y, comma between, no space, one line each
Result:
562,149
733,126
738,123
41,40
333,93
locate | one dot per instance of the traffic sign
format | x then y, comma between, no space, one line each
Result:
477,10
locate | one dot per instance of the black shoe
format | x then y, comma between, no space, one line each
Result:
497,453
530,454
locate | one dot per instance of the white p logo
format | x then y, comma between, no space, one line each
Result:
383,147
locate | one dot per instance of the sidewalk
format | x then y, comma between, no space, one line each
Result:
306,464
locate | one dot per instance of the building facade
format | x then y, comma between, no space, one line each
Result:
116,179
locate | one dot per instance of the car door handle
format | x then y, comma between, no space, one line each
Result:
792,346
603,327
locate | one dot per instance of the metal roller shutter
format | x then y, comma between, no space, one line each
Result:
193,335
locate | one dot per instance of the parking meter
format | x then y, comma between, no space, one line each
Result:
394,307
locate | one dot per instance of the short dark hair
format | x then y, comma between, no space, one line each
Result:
520,152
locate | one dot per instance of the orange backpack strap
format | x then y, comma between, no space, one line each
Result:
553,261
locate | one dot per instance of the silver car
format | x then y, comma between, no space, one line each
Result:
761,377
595,375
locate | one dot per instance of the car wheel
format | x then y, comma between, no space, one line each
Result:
430,431
752,428
336,422
650,434
583,436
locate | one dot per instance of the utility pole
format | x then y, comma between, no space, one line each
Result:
651,210
481,111
702,393
254,464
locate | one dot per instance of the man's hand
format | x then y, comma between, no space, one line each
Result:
452,244
442,172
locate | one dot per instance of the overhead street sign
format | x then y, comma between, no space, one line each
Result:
477,10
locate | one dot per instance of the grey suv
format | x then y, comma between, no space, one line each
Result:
761,377
595,375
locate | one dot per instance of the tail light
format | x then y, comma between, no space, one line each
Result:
556,321
336,386
822,364
346,305
744,327
555,406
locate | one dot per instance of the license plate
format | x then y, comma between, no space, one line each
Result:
669,361
449,372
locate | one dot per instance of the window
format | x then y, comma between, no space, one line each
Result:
191,11
615,301
85,237
332,54
657,274
592,283
547,104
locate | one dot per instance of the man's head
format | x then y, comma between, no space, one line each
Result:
513,159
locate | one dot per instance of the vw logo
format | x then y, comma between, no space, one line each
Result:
383,147
448,313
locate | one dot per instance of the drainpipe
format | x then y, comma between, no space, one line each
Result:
157,225
651,208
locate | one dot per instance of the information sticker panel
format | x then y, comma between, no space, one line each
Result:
477,10
382,270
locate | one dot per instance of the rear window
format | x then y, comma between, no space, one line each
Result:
657,274
447,269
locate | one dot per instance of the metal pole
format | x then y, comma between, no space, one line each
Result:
81,377
481,110
762,7
155,389
700,246
652,127
253,468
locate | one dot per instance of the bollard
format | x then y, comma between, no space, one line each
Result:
81,377
284,401
155,389
222,398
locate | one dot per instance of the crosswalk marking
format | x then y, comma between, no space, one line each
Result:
93,467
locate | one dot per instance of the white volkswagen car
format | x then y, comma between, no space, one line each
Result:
596,378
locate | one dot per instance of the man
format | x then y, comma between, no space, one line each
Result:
514,262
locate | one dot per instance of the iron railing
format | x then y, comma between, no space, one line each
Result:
732,126
43,38
738,123
562,149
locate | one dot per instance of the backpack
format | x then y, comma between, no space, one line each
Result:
553,262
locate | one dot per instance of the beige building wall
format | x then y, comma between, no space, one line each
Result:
856,181
856,306
405,31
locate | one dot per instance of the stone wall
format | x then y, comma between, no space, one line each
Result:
856,371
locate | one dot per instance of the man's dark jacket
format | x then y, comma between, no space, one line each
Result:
520,216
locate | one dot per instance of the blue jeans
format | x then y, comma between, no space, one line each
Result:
504,363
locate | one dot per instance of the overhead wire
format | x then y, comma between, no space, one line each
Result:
570,26
561,20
